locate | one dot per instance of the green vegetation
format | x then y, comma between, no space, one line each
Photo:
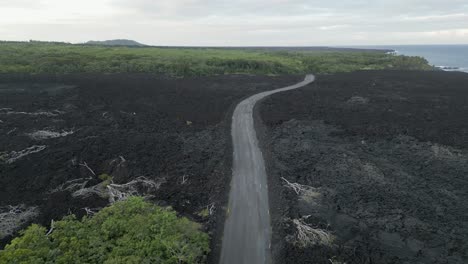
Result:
39,57
105,178
131,231
204,213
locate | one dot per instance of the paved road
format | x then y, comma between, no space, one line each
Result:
247,230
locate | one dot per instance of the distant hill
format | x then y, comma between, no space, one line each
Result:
115,42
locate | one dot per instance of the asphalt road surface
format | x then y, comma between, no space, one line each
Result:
247,229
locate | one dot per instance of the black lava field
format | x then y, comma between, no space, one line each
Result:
382,162
175,133
363,167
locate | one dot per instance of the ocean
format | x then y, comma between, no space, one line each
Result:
447,57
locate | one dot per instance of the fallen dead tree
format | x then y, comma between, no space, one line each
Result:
16,155
84,164
305,234
76,184
307,193
11,131
46,134
9,111
141,186
308,236
73,185
297,188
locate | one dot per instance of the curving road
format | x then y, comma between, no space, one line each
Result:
247,229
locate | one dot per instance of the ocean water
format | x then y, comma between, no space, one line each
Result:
443,56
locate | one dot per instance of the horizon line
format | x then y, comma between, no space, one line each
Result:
249,46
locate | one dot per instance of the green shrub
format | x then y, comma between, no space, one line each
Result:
105,178
131,231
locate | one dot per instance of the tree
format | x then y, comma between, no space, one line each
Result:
131,231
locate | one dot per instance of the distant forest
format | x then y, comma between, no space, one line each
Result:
64,58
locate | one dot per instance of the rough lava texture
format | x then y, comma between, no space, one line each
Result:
382,158
174,132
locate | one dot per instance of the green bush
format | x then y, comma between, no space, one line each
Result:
131,231
105,178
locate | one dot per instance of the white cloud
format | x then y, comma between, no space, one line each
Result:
241,22
450,33
333,27
433,18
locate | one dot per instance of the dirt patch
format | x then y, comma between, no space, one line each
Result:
98,128
386,177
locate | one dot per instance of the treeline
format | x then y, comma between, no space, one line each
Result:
38,57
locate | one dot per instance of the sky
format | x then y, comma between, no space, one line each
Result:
238,22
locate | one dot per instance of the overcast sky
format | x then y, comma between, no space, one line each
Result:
238,22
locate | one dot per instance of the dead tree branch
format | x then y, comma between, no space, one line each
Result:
52,225
16,155
211,208
11,131
8,111
308,236
89,212
184,179
84,164
298,188
137,187
46,134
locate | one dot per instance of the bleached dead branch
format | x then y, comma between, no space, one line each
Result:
16,155
72,185
11,218
46,134
120,161
141,186
76,185
184,179
52,225
138,187
211,208
84,164
207,210
298,188
11,131
127,113
8,111
309,236
332,261
358,100
98,190
307,193
89,211
115,194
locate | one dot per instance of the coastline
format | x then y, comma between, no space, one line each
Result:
443,57
452,68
